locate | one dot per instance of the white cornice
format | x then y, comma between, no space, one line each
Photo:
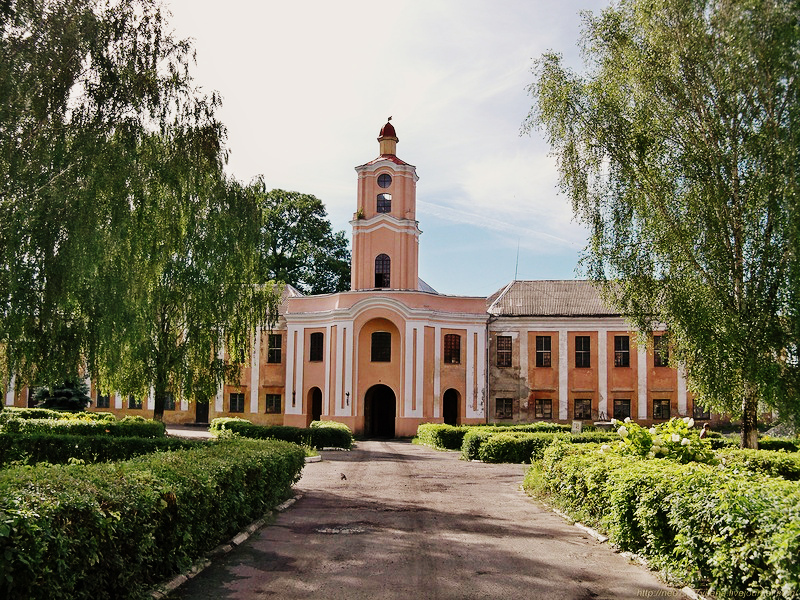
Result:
386,221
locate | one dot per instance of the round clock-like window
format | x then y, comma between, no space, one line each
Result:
384,180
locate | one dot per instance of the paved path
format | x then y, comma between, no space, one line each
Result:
391,520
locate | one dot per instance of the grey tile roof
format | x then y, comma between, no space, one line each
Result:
548,298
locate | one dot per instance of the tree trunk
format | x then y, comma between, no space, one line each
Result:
750,420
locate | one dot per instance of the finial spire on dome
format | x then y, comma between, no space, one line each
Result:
388,139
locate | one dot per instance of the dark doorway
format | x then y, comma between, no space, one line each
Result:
380,408
201,412
450,403
315,397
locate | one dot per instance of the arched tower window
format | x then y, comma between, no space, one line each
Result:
384,203
383,265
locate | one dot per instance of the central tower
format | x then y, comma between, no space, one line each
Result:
385,229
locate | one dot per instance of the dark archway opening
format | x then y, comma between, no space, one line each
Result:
380,409
315,401
450,403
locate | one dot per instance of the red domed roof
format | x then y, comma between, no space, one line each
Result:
388,130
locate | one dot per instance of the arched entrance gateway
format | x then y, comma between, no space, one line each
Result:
450,402
380,409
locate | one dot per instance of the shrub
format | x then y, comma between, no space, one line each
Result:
766,462
736,533
130,426
11,412
768,443
441,436
114,530
521,446
72,394
61,449
676,439
320,436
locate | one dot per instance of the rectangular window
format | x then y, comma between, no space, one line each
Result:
699,413
169,401
503,408
273,404
543,351
543,408
661,409
622,351
503,350
103,400
660,351
315,347
622,409
452,349
134,402
583,351
237,402
381,346
582,409
274,343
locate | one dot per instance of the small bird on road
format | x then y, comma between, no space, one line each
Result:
342,476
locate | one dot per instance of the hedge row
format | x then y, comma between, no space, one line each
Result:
737,535
130,426
115,530
61,449
12,412
766,462
321,434
449,437
525,447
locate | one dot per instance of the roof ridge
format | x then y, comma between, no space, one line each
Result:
503,293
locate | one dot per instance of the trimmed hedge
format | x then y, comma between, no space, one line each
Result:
442,437
115,530
61,449
130,426
710,527
12,412
766,462
523,447
321,434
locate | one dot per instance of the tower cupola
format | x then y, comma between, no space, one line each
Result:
388,139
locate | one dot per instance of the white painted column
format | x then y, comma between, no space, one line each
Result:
338,392
683,396
255,362
408,370
602,373
420,368
151,399
413,370
10,391
326,394
563,375
481,368
219,399
437,371
117,400
469,401
294,372
642,367
184,404
523,357
348,370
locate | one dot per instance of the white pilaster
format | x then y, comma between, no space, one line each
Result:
683,396
563,376
327,392
481,368
219,399
408,370
184,405
348,371
117,400
437,371
151,399
255,362
642,367
420,367
523,357
10,391
470,374
602,373
339,397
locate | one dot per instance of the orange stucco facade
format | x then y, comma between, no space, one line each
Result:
392,353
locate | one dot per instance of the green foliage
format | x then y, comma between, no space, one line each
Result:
64,448
768,443
499,444
113,530
297,245
732,532
12,412
72,394
130,426
765,462
321,434
442,437
675,439
679,150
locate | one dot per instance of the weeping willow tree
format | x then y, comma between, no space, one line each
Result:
679,149
123,248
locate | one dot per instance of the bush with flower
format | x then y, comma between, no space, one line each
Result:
675,439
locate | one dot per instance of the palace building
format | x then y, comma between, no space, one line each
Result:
392,353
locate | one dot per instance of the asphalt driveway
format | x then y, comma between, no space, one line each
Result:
395,520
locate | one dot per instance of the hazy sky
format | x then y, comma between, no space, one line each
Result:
307,85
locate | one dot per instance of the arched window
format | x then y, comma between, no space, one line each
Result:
381,346
383,266
384,203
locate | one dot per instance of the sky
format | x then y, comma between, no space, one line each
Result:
308,84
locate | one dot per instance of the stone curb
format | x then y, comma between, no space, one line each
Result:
163,590
313,459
